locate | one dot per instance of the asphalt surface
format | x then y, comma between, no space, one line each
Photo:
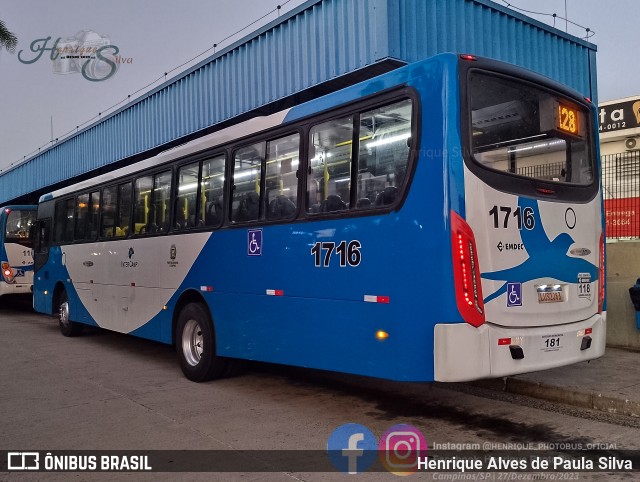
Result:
106,391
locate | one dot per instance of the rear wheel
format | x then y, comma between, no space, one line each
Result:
67,327
196,345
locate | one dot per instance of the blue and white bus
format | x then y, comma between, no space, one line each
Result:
442,221
16,250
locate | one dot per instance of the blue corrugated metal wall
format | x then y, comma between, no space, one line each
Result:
421,29
316,42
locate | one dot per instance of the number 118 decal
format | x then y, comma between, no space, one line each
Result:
349,253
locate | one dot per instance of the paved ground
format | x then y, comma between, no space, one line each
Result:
105,391
609,384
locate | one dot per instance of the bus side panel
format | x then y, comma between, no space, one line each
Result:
328,334
47,279
125,284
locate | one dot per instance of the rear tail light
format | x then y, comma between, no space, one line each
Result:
601,280
7,272
466,272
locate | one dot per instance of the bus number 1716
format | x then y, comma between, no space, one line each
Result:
349,253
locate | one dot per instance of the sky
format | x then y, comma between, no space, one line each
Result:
35,102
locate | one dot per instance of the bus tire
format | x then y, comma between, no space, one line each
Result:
196,345
67,327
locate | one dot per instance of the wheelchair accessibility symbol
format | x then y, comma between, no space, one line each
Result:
514,294
254,242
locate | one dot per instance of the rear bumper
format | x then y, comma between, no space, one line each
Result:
15,289
463,353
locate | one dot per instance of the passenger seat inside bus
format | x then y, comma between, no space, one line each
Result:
332,203
386,196
249,208
281,208
213,213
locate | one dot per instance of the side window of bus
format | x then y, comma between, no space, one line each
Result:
186,198
59,222
385,135
63,231
161,202
212,192
142,204
82,208
109,204
124,210
94,211
281,186
247,169
18,225
329,176
41,237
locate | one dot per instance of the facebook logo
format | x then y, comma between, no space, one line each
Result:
352,448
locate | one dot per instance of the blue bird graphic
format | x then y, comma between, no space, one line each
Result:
547,258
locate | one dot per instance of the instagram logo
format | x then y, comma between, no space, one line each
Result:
400,447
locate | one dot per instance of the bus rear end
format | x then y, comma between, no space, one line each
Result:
16,252
527,239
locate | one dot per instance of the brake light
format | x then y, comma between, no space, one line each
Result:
470,58
601,280
466,272
7,272
543,190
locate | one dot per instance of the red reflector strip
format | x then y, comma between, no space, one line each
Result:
504,341
588,331
376,299
206,288
542,190
275,292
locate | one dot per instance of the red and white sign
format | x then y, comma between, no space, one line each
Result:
622,217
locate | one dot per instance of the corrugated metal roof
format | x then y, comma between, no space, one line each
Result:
314,43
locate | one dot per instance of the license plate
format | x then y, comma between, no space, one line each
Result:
556,296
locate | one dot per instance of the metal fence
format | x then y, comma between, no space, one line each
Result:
553,170
621,186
